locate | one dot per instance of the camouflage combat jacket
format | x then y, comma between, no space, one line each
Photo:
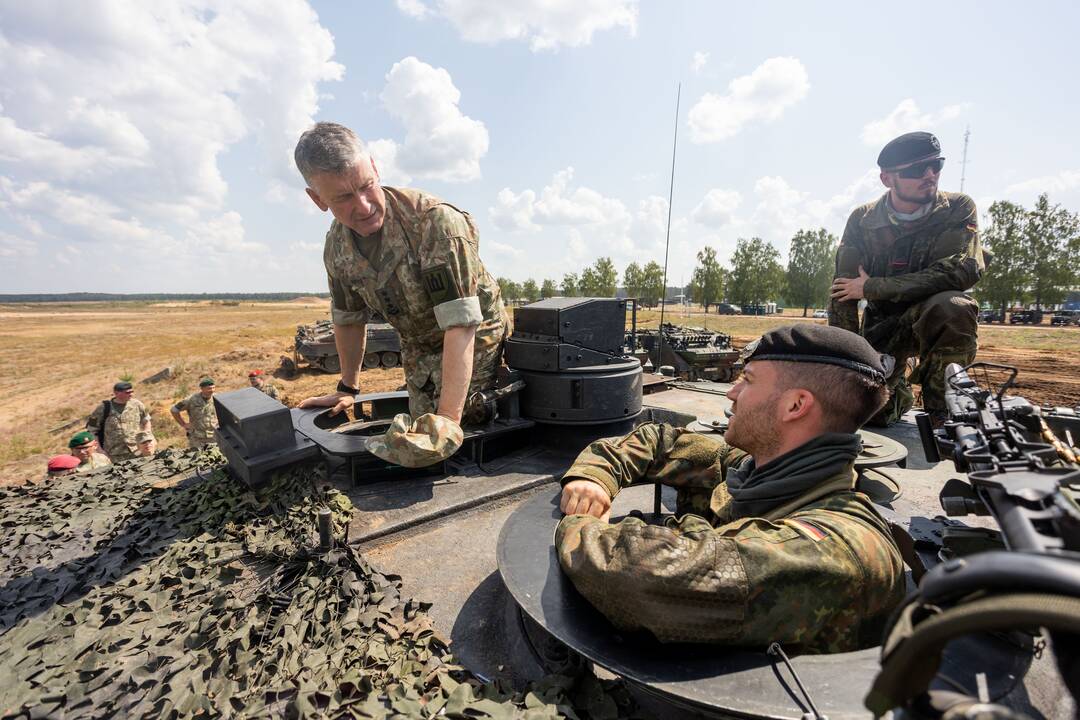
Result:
907,261
269,389
423,274
92,463
201,416
820,573
123,428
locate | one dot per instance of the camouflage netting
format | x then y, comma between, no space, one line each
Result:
122,599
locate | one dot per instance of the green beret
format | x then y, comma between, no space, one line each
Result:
206,382
813,343
908,148
80,438
122,386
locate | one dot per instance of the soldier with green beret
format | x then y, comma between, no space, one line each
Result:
202,417
770,541
122,425
84,446
912,255
414,259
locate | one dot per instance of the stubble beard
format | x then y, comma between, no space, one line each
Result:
753,432
921,198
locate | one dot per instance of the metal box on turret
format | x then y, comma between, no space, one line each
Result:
256,435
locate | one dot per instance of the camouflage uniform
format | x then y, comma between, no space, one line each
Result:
269,390
820,573
123,428
95,461
202,419
918,271
422,272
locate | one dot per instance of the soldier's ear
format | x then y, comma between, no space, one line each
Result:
316,199
886,179
374,168
796,403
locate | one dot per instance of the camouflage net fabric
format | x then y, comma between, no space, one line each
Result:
126,594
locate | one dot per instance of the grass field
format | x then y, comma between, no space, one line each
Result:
58,361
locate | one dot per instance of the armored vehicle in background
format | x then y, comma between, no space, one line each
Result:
695,353
315,345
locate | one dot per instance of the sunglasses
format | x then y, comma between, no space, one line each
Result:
916,171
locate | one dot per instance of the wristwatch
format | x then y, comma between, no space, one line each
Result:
343,388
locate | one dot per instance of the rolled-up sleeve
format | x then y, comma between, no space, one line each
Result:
450,267
346,306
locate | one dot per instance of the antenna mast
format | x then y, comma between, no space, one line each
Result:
963,162
667,239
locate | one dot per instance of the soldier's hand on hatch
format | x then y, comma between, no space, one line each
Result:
337,401
584,497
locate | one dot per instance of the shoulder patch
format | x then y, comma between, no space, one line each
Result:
439,284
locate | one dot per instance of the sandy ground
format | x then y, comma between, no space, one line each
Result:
57,362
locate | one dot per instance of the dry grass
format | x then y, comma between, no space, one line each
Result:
58,361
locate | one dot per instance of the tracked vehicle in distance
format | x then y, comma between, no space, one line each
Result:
694,353
314,344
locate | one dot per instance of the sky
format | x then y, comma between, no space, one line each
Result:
147,147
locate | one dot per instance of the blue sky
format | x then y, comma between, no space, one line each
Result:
146,147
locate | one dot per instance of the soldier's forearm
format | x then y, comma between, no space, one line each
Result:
351,341
457,366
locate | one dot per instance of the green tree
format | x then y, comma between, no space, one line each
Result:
632,281
509,290
810,268
1052,234
600,279
1008,277
652,283
707,282
756,273
548,288
529,290
571,285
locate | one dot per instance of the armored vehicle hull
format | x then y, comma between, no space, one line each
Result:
694,353
315,346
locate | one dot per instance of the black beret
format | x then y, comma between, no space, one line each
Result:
121,386
813,343
908,148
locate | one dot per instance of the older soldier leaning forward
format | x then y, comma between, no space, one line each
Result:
911,255
123,425
414,259
770,541
202,418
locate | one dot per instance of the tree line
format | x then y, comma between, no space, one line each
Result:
1034,258
1034,255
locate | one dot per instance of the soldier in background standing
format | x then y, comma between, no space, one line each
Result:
259,382
122,425
912,255
84,446
769,541
202,418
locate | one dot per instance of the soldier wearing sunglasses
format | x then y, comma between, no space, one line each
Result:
912,255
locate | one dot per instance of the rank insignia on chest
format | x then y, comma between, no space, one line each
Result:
389,302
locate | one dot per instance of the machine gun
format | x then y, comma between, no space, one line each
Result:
1021,465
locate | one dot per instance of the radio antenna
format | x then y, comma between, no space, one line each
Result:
667,238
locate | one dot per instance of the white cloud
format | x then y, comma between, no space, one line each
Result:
441,142
717,208
114,119
763,95
1063,181
12,246
514,211
907,117
545,24
697,64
